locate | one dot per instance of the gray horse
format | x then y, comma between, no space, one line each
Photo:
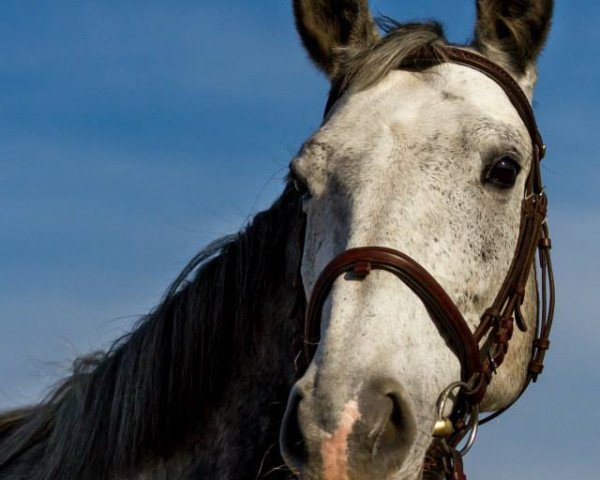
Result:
431,162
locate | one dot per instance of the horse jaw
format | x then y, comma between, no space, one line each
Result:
400,165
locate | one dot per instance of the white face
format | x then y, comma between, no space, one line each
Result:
404,165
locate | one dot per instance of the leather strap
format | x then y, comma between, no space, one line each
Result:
426,57
360,262
504,79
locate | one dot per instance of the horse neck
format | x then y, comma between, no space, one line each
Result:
199,386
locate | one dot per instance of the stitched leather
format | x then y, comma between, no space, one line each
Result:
435,298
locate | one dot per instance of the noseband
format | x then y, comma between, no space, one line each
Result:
495,330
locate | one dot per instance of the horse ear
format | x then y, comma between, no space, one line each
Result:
513,32
327,25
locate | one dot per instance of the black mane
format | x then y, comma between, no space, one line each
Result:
156,391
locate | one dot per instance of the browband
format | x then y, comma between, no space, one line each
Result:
427,57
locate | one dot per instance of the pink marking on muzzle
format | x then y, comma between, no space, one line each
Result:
334,449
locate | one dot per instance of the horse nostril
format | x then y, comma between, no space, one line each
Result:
397,415
388,428
392,428
291,439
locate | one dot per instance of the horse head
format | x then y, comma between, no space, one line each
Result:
430,161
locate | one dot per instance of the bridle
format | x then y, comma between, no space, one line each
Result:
481,352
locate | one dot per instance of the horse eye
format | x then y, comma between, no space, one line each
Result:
301,187
503,174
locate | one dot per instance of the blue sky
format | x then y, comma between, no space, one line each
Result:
135,132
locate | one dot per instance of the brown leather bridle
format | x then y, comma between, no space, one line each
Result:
479,363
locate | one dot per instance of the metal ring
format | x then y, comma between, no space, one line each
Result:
473,417
473,428
445,395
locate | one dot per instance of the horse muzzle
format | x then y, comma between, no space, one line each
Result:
365,437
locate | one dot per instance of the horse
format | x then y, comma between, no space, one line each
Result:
274,354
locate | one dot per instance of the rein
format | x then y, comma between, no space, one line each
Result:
496,327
